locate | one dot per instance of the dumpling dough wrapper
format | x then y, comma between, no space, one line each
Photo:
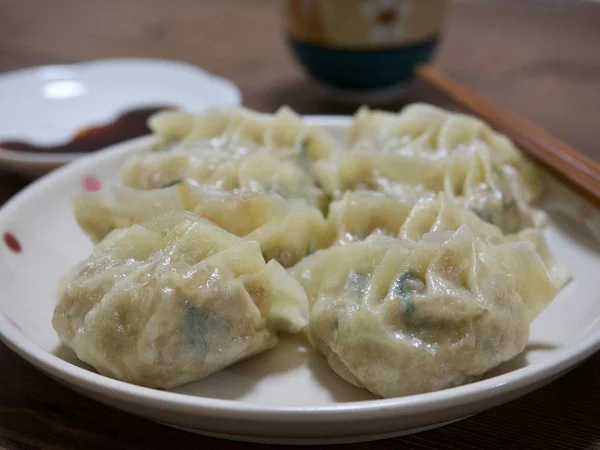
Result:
174,300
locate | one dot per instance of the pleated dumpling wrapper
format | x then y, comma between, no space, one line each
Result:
174,300
361,213
286,229
401,317
439,151
233,148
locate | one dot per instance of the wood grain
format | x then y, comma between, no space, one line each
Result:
540,60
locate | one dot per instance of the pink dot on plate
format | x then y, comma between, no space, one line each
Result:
12,242
15,325
91,183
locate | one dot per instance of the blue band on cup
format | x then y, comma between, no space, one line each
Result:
362,69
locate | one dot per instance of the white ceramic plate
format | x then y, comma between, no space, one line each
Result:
288,394
48,105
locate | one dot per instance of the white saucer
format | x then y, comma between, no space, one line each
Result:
47,105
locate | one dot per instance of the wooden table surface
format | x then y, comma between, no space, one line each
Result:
539,58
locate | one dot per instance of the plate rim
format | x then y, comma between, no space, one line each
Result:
481,390
61,158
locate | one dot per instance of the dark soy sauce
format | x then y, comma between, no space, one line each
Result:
128,125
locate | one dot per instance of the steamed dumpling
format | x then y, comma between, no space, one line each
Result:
436,150
239,130
233,149
174,300
360,213
441,213
429,131
401,317
287,230
260,171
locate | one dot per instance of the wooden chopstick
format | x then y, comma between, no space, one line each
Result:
560,159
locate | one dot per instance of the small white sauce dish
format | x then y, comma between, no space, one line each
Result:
48,105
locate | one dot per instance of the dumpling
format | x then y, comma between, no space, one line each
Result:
259,171
100,212
360,213
174,300
429,131
442,213
240,130
233,149
497,194
439,151
287,230
401,317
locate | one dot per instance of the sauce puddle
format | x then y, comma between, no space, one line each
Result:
128,125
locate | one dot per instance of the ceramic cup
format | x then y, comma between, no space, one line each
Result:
364,49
